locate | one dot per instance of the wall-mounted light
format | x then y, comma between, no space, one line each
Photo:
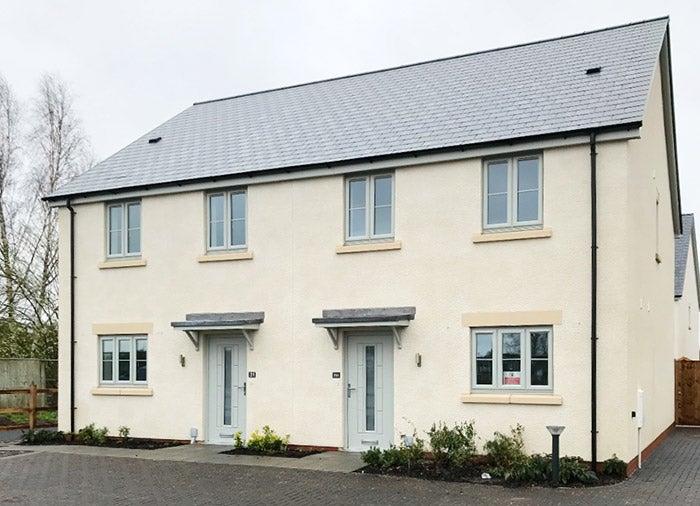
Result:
182,360
419,359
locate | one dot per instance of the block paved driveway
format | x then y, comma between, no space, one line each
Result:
670,476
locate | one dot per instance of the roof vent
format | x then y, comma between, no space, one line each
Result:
154,140
593,70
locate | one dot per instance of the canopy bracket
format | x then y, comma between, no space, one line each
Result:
194,337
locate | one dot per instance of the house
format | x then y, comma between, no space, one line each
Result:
686,292
487,237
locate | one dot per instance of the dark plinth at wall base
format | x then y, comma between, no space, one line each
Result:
312,448
632,465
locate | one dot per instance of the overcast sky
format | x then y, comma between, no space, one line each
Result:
134,64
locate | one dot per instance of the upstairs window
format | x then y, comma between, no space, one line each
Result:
513,192
227,229
369,207
511,358
124,229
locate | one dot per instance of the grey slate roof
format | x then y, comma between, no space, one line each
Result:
219,319
682,245
366,315
529,90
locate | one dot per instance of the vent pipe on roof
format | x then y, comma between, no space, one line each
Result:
154,140
593,70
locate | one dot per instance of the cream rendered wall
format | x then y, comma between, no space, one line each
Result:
649,303
294,228
686,310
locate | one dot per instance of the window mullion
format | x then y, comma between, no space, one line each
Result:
369,215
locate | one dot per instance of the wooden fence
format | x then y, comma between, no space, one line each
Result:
687,392
32,406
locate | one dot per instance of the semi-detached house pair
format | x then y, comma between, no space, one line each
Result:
351,259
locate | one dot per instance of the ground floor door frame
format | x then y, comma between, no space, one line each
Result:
226,388
369,389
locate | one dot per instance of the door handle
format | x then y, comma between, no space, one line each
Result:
244,387
350,389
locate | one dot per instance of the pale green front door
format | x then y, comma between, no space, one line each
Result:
226,398
369,391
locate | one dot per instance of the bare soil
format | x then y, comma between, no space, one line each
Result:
290,454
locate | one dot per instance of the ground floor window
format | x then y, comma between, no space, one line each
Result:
123,359
515,358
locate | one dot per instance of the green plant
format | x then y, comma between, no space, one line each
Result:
506,453
268,441
573,469
372,457
454,446
615,467
124,432
535,468
40,437
404,456
90,435
238,440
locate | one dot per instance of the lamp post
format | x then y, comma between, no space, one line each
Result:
555,431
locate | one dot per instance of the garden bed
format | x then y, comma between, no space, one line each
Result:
287,453
45,437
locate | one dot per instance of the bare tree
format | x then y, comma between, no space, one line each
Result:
59,152
9,118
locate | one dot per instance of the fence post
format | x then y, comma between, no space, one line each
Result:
32,406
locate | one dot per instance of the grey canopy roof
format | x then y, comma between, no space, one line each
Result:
214,320
366,315
536,89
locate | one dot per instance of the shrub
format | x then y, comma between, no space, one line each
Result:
454,446
90,435
373,457
124,432
615,467
573,469
238,440
40,437
396,457
506,453
535,468
268,441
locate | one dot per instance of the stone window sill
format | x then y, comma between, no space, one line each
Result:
225,257
512,236
538,399
120,264
139,392
370,246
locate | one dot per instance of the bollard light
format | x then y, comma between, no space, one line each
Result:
555,431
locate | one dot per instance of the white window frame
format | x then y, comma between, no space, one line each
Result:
512,221
115,339
227,221
525,359
369,214
124,206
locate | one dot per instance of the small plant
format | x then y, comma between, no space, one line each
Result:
615,467
238,440
90,435
403,456
40,437
572,469
373,457
268,441
454,446
124,432
506,453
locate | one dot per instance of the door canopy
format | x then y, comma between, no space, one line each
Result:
195,323
335,320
